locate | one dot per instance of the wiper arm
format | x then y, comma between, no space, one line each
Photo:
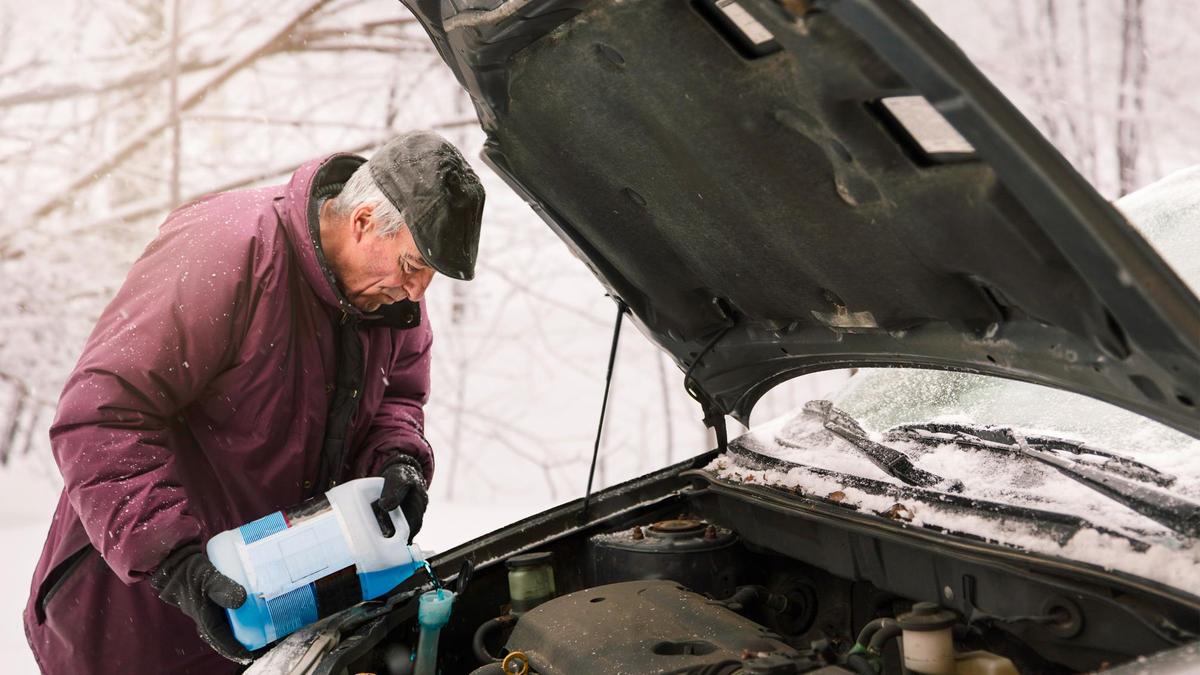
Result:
1179,514
1176,513
891,461
999,438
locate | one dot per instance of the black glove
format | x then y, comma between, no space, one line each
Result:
189,581
404,486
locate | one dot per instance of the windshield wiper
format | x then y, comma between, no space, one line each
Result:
891,461
1119,478
1000,438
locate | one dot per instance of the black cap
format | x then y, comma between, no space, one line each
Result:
439,196
530,559
926,616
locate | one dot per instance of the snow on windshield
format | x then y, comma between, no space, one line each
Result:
986,475
883,398
991,475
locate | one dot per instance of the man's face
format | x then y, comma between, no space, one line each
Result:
377,270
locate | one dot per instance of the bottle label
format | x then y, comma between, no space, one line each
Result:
298,555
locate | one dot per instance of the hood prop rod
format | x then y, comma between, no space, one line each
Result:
612,358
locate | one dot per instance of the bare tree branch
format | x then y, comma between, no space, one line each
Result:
173,103
295,42
12,416
369,27
139,139
380,47
1087,158
24,66
141,76
528,290
299,122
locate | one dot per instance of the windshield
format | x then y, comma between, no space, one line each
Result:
881,399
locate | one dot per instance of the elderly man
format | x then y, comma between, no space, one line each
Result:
268,344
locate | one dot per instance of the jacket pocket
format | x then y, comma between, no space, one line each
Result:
57,578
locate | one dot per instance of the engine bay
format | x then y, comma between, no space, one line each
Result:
682,573
687,596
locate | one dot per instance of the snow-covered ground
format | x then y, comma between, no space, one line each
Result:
30,493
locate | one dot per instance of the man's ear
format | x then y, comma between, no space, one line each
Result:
361,221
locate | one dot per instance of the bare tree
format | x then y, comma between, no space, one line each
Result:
173,102
1131,95
11,415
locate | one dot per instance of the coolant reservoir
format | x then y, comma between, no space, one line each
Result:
530,580
313,560
928,642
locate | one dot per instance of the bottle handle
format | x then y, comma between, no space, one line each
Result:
386,527
378,531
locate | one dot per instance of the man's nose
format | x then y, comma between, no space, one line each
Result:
415,284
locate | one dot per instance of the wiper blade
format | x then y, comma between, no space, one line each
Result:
1000,438
891,461
1176,513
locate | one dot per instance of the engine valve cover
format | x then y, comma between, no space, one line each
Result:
637,627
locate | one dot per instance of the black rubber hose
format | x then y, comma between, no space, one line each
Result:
858,663
479,644
868,631
493,668
887,630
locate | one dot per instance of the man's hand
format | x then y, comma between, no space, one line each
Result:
189,581
404,486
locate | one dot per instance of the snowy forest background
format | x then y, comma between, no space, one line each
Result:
112,111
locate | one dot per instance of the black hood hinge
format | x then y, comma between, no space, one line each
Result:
714,416
714,419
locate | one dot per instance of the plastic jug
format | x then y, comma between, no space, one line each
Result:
313,560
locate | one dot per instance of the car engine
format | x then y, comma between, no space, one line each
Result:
669,597
644,627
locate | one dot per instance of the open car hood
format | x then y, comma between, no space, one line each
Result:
744,176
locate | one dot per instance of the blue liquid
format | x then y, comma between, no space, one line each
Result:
258,622
375,584
433,612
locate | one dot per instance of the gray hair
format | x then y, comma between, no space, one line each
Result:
360,190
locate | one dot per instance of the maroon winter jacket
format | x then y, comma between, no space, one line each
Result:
227,379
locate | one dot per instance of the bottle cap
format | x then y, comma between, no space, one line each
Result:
926,616
529,560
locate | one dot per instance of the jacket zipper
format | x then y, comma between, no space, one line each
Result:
343,404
